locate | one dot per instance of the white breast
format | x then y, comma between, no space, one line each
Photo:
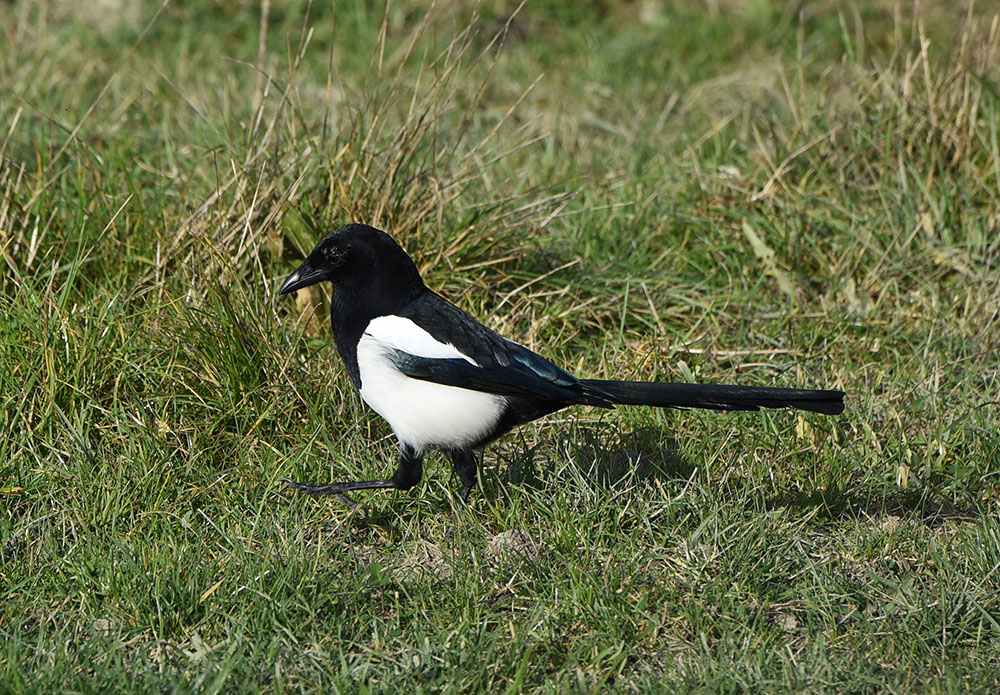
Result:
422,414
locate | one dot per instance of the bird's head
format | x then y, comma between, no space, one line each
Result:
357,258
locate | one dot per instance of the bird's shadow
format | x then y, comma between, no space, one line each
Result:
601,457
842,503
606,458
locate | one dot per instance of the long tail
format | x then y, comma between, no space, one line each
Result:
715,397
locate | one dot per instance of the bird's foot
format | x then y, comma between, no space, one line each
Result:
310,489
335,489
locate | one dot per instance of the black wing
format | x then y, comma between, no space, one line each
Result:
502,366
502,381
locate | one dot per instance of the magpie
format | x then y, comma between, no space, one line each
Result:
443,381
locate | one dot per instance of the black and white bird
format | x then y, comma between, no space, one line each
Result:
444,381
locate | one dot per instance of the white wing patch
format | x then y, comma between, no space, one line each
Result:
402,334
422,414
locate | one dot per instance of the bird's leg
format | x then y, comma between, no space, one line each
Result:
464,461
407,475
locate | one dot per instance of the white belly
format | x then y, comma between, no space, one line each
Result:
423,414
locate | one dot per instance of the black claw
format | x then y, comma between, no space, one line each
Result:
352,503
312,489
406,476
331,489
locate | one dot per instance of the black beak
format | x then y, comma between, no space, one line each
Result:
303,276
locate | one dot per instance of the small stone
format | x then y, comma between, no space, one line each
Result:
514,541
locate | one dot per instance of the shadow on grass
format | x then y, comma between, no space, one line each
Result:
608,460
837,504
601,459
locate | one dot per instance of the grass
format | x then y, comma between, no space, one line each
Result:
730,192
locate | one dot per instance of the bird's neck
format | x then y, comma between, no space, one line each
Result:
352,311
